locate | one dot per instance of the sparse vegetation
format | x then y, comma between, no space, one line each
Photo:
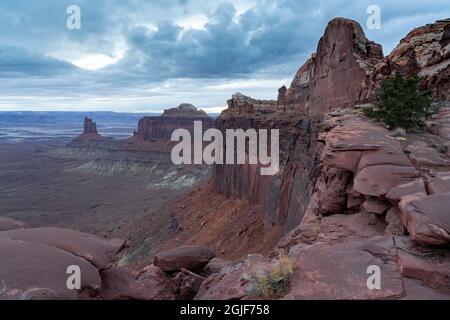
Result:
272,281
402,104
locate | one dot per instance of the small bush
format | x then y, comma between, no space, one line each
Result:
402,104
273,281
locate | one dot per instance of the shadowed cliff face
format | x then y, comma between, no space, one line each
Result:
285,195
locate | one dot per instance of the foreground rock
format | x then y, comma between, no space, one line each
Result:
188,257
11,224
99,252
427,218
148,284
34,262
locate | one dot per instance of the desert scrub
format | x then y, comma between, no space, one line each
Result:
272,281
402,104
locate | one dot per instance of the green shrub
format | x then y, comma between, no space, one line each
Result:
402,104
270,282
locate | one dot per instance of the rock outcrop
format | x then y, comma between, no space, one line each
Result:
241,104
184,110
89,135
337,75
155,128
189,257
424,52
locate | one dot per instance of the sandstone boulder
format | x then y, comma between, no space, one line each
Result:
379,180
188,284
187,257
414,187
427,219
346,278
99,252
31,270
148,284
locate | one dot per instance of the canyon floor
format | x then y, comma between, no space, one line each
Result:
46,184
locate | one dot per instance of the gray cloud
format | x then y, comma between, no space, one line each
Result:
242,42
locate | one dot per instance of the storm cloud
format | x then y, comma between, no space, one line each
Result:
148,55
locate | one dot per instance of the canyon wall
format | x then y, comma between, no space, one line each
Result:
283,196
344,73
151,128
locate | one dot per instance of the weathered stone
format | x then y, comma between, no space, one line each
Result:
99,252
395,224
427,219
11,224
417,268
424,155
187,257
414,187
31,270
439,183
188,284
379,180
346,278
148,284
375,205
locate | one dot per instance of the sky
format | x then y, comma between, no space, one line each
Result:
147,56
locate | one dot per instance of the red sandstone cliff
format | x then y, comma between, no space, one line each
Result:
349,191
337,75
151,128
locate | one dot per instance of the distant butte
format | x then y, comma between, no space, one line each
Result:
89,134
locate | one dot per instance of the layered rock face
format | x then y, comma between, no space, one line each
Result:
151,128
241,104
283,196
425,52
337,75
